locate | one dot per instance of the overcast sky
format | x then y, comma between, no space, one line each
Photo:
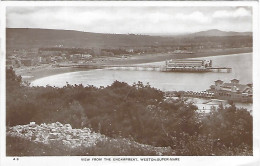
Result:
141,20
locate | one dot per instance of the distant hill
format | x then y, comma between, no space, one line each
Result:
38,38
22,37
216,32
208,33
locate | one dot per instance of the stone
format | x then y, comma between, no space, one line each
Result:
65,142
37,140
47,133
43,125
68,137
54,135
59,124
86,130
68,126
53,130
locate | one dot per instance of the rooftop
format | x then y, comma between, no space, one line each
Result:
239,87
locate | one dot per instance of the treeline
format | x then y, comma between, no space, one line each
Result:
115,51
67,50
138,112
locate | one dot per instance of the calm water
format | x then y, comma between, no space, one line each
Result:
241,65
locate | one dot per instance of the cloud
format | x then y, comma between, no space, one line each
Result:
131,19
194,16
239,12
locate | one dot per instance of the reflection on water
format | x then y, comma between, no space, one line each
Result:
241,65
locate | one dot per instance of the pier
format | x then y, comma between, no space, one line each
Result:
197,69
221,69
149,68
133,68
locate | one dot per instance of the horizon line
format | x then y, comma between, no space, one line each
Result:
144,34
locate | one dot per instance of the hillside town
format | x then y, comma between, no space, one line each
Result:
19,56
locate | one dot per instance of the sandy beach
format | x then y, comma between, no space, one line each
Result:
30,74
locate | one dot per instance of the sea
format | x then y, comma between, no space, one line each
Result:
241,64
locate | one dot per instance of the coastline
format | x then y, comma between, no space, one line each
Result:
149,58
50,70
33,73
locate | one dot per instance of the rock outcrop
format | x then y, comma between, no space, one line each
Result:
73,138
47,133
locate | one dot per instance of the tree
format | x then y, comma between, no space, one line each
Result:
74,114
12,80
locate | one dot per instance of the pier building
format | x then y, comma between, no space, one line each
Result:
193,65
233,91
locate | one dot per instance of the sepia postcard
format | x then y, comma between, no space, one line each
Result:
112,83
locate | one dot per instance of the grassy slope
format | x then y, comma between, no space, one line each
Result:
16,146
35,38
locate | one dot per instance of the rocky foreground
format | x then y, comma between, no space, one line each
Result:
60,134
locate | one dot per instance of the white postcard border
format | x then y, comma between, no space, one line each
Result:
184,160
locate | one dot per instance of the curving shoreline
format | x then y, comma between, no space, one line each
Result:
30,75
34,73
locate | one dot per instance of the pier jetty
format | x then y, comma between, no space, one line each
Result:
177,65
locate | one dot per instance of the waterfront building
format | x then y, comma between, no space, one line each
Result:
77,57
130,50
233,91
46,53
13,63
26,62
